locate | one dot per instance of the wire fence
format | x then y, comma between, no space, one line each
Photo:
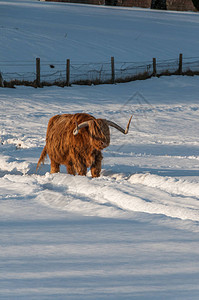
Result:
66,73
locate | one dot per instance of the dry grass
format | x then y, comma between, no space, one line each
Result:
140,76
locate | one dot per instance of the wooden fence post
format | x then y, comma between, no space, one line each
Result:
1,80
180,64
68,72
38,72
112,70
154,67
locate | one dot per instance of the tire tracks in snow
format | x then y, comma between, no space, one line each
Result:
111,197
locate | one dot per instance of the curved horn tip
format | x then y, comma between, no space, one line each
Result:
76,130
81,125
127,127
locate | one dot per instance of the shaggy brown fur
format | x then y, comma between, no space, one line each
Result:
76,152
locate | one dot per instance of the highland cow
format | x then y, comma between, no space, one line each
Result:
76,141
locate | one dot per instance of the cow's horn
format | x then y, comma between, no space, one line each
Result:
78,127
110,123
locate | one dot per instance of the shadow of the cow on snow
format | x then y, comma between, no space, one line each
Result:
76,141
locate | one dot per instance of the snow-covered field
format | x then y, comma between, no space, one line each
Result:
132,233
84,33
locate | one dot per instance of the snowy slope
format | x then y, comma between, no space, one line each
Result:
133,232
83,33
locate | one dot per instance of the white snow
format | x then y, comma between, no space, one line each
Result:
132,233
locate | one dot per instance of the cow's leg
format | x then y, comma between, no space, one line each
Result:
82,170
55,167
97,165
70,167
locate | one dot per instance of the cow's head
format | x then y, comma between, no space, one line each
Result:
99,131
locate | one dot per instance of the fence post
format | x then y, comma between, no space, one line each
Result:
1,80
68,72
112,70
154,67
38,72
180,64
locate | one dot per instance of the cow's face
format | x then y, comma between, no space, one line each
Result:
100,134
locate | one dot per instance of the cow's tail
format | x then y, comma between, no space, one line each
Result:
42,158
